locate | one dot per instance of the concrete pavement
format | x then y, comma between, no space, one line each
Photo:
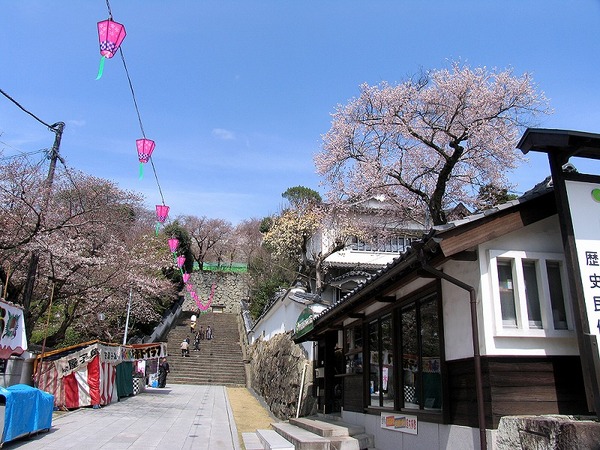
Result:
176,417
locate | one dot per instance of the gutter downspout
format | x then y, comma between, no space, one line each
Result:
476,355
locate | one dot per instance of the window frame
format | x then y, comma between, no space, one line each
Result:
523,327
423,295
397,244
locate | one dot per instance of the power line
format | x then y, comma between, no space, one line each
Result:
137,109
51,127
22,154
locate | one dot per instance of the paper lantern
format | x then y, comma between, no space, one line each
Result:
145,147
180,261
186,277
173,244
110,36
162,212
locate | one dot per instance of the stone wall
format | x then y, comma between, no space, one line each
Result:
276,368
230,288
548,433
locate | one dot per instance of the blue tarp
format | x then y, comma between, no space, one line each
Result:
27,410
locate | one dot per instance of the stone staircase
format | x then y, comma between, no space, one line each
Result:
310,433
219,361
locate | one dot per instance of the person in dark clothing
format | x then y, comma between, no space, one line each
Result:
163,370
197,341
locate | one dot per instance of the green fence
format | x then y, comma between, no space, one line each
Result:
215,267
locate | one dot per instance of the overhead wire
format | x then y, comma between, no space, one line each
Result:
137,109
22,154
50,127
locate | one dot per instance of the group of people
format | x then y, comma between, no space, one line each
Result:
198,336
163,367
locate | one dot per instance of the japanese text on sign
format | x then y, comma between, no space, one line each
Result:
399,422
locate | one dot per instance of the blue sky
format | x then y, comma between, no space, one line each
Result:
237,94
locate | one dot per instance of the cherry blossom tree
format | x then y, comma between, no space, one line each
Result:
249,238
311,232
208,236
430,142
92,242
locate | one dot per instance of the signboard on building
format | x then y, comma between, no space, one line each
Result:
304,324
399,422
584,202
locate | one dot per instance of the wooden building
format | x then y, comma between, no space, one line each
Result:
475,322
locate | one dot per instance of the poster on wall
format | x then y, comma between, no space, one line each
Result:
584,203
12,330
399,422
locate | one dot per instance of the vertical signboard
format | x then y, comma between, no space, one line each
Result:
584,203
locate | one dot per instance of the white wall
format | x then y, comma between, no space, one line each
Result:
542,237
431,436
281,318
456,306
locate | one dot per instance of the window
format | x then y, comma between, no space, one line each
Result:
393,244
529,290
381,363
421,355
353,349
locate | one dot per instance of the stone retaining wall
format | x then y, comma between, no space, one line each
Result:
548,433
230,288
276,368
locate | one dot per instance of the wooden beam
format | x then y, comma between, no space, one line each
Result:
455,240
465,256
386,299
356,315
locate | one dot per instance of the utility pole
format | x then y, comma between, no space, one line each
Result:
127,320
54,156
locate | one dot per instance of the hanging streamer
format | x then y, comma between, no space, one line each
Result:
101,68
199,303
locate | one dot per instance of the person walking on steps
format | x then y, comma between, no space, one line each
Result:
197,341
185,348
209,333
192,323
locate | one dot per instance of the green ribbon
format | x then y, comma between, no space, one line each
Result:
101,68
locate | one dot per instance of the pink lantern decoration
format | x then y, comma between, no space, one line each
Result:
199,304
173,244
110,36
186,277
162,212
145,147
180,261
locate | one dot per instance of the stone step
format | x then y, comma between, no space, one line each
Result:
301,438
324,426
219,360
321,428
272,440
252,441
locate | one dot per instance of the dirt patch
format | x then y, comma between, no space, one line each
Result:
248,413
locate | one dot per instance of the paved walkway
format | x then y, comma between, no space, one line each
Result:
176,417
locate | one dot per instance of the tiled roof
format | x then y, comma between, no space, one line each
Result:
354,265
537,191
